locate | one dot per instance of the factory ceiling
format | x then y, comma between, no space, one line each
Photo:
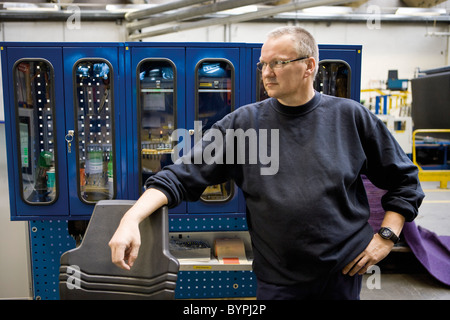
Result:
147,18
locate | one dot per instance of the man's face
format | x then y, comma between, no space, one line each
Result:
288,82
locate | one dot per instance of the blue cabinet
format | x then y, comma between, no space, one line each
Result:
92,121
179,86
62,105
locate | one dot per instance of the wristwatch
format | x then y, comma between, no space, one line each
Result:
388,234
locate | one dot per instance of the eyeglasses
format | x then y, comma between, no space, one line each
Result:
277,64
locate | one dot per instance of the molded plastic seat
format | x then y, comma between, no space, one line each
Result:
87,272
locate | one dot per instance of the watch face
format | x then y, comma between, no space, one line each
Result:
386,233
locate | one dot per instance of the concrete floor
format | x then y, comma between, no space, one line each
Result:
401,277
404,286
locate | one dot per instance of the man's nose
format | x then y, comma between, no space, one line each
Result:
267,72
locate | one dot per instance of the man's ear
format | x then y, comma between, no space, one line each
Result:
310,67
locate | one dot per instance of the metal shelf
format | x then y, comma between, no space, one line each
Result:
214,264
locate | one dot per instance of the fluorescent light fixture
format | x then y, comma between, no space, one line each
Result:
420,11
241,10
21,6
126,8
327,10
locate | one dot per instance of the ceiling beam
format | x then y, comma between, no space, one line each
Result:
190,13
138,14
267,12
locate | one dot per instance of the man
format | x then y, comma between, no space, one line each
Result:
308,221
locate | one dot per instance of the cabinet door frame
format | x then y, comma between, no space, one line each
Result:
21,209
136,54
113,54
195,55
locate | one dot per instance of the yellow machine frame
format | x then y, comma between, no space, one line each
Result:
443,176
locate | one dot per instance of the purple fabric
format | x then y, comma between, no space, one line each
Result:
432,251
376,210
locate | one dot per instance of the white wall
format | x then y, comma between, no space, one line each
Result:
15,275
61,31
404,47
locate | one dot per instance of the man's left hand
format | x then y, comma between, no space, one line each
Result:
376,251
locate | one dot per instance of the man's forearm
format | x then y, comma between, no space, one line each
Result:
150,201
393,220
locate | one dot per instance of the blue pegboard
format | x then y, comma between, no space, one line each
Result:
215,284
207,222
49,240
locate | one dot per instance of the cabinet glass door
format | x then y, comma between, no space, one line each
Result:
156,114
35,114
212,75
94,140
156,109
333,78
215,99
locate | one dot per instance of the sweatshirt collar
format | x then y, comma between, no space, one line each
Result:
297,110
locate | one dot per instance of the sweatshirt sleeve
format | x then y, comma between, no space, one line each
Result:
188,177
389,168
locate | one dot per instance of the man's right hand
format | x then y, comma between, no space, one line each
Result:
125,244
126,240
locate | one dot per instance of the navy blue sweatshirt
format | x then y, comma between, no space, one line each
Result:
310,218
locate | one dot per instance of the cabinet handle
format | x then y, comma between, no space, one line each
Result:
69,138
